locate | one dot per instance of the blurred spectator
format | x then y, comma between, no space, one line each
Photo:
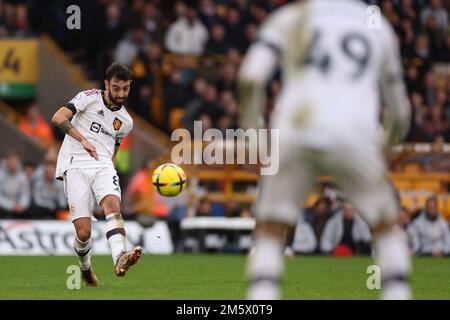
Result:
434,123
136,9
147,78
21,28
176,95
430,232
151,20
140,197
208,69
187,35
204,208
246,212
3,25
388,10
250,33
210,104
346,233
304,240
47,193
206,106
435,10
128,48
444,50
223,123
15,188
232,209
216,43
404,221
207,13
235,29
227,80
34,126
318,215
412,79
113,31
258,11
29,169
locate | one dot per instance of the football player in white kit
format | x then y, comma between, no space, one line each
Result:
95,122
333,66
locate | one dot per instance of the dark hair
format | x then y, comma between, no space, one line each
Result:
119,72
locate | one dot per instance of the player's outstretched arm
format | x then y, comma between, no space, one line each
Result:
397,118
254,74
61,119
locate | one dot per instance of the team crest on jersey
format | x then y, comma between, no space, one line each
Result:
117,124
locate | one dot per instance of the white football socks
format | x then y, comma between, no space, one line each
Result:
82,249
115,233
392,256
264,269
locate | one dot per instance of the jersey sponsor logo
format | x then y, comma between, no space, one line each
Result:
100,112
97,128
117,124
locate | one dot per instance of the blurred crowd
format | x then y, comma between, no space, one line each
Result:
185,54
332,226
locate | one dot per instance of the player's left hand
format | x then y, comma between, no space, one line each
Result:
90,149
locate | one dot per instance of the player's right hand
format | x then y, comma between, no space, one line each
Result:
90,149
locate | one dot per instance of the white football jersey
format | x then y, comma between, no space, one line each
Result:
102,127
333,61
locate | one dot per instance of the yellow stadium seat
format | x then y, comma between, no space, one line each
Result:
406,201
429,185
402,184
175,118
446,209
412,168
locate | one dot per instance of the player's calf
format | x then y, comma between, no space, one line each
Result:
392,256
82,242
265,264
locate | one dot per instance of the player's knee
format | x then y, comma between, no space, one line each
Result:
83,234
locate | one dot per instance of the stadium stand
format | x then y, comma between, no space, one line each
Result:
179,81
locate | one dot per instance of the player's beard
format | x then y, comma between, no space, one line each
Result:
117,104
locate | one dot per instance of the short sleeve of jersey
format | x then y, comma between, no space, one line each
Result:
79,102
392,60
125,132
277,28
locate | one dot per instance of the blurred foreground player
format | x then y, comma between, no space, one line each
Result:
328,120
95,122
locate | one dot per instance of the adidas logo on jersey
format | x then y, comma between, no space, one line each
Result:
100,112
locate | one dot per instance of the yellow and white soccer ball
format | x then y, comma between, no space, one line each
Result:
169,179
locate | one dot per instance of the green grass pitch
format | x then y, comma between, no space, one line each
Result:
213,276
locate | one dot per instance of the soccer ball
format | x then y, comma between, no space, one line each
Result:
169,179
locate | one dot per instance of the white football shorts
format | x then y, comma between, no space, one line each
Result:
85,187
360,173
